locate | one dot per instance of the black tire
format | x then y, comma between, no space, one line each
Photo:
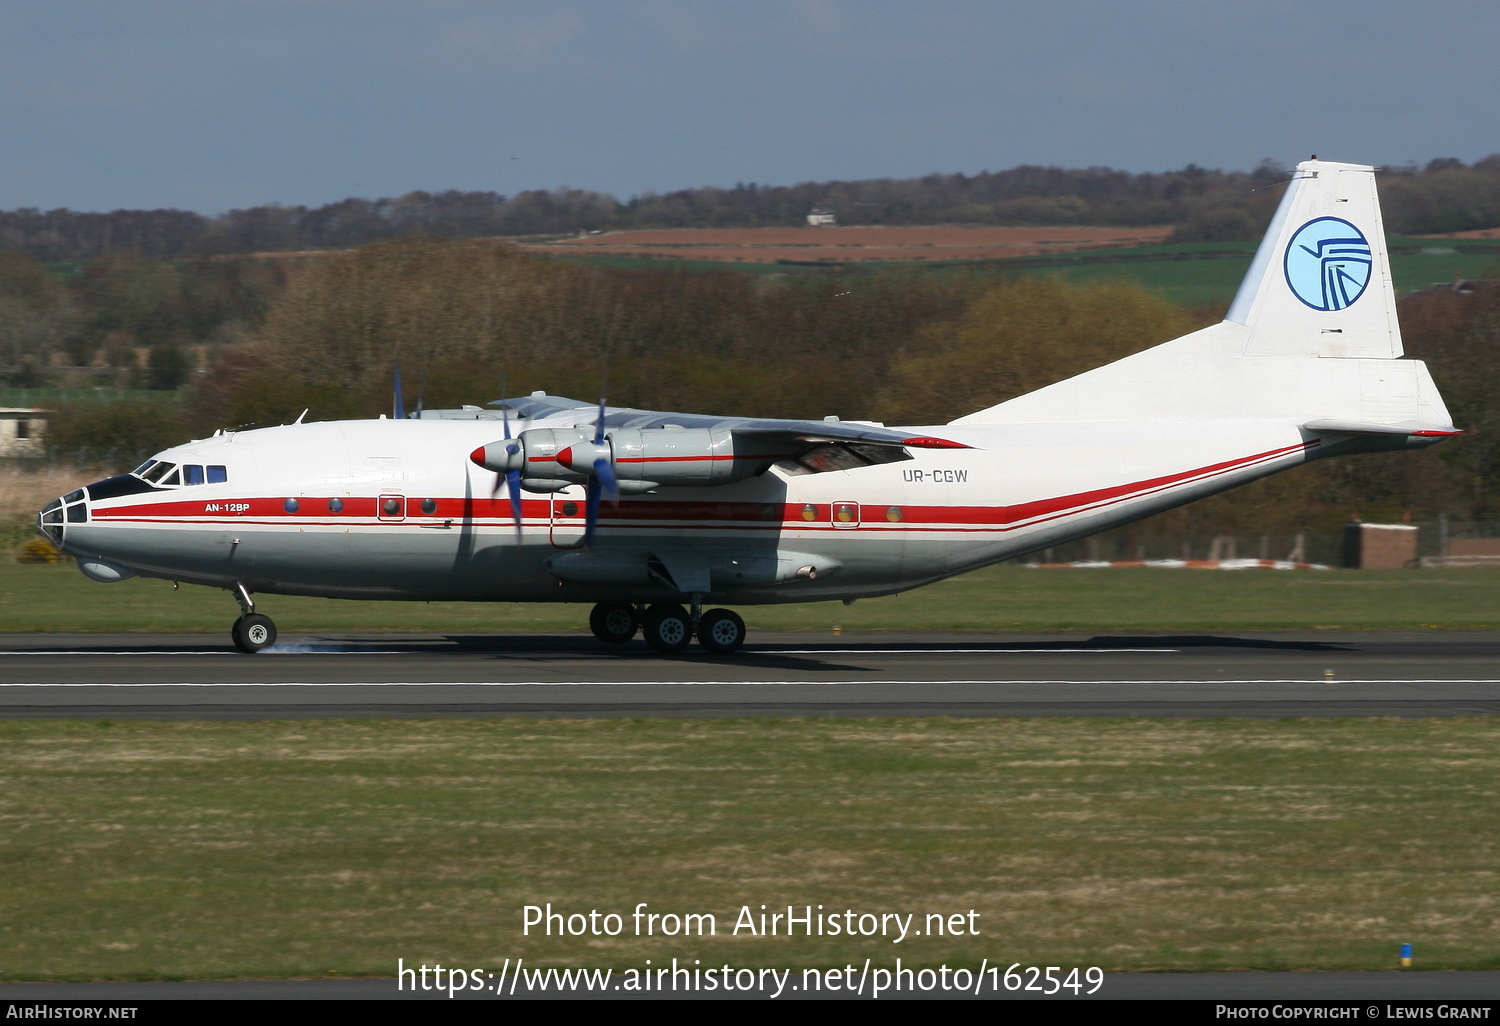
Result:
253,633
721,631
667,628
614,622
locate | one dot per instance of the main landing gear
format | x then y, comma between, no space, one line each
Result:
252,631
667,627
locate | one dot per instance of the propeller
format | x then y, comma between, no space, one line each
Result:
511,478
603,480
398,408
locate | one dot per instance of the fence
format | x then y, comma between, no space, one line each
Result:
1441,541
1126,545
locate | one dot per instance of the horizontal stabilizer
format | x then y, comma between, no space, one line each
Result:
1410,427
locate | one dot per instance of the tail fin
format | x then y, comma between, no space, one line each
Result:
1310,337
1320,284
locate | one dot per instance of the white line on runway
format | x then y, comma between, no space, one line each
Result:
950,651
344,650
716,683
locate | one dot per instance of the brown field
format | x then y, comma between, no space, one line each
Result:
1473,233
849,245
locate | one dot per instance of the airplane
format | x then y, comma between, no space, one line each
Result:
651,515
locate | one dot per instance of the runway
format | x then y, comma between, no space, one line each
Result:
1275,674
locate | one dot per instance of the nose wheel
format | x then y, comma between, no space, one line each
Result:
253,632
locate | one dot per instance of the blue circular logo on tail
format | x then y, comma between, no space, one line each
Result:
1328,263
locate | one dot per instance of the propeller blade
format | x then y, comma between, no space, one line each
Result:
599,424
421,388
504,410
605,473
513,482
398,408
591,511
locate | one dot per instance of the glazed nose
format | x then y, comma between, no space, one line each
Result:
72,508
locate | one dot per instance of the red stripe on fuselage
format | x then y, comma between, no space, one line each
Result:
667,513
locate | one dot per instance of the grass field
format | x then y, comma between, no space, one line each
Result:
318,848
59,598
1192,274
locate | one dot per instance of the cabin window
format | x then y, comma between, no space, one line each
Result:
391,507
894,514
217,475
429,506
290,505
335,505
192,475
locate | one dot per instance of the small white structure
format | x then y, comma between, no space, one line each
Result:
21,430
822,217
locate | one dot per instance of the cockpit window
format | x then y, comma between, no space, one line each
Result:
217,475
191,474
157,471
141,470
172,480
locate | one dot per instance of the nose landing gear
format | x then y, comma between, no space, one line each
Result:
252,631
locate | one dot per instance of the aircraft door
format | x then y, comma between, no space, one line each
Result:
569,514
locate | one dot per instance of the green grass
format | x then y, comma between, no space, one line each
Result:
1005,598
308,849
1194,274
51,397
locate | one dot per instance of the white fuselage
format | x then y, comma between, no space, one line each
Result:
394,509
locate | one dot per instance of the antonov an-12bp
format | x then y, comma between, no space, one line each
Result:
505,504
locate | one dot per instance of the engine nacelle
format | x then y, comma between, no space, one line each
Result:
688,457
642,459
535,454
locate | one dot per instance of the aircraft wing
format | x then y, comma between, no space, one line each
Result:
802,432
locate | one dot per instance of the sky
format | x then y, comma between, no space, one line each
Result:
211,105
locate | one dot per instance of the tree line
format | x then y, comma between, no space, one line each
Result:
128,316
1206,205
